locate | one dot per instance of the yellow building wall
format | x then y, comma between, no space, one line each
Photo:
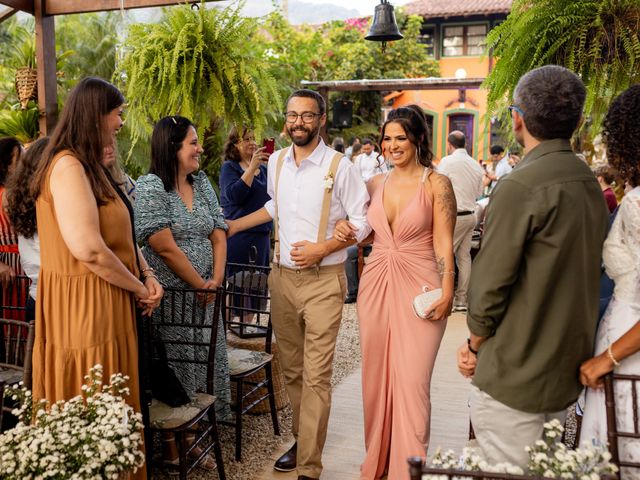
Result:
442,103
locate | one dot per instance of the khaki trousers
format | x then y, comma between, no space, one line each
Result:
306,310
462,250
503,432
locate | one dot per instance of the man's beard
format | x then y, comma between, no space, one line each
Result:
304,140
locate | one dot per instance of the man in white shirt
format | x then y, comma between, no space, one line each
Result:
466,178
369,162
307,281
501,165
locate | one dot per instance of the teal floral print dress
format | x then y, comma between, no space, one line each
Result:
157,209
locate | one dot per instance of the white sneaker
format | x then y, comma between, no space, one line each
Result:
459,308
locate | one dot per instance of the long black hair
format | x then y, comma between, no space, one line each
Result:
414,122
8,147
166,141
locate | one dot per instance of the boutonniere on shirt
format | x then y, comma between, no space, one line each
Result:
328,181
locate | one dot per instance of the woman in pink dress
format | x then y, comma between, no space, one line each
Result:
413,214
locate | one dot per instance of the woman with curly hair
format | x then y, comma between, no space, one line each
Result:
10,151
21,210
618,337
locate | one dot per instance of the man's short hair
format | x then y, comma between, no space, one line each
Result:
606,173
457,139
551,99
496,149
306,93
367,141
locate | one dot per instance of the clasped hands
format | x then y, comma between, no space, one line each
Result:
150,299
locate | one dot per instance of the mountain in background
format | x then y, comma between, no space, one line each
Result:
299,12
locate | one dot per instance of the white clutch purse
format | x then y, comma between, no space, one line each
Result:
422,302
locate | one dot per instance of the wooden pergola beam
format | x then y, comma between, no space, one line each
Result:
64,7
390,84
7,13
23,5
46,61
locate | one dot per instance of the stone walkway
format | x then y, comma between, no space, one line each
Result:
344,448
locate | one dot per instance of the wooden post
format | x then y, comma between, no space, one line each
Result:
324,130
46,63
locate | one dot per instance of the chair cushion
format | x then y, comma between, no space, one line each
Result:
11,375
242,360
164,417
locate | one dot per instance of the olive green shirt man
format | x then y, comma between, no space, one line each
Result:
534,285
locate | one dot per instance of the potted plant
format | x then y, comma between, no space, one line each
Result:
93,435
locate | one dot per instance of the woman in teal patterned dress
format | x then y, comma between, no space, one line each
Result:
179,220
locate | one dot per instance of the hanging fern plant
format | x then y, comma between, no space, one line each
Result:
597,39
195,63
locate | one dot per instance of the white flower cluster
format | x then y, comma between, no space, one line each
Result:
548,458
92,436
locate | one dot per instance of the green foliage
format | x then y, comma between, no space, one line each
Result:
21,124
597,39
195,63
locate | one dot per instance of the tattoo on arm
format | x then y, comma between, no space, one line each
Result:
446,199
440,263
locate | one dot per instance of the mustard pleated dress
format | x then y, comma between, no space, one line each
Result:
81,319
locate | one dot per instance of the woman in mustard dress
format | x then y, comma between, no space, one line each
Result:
89,277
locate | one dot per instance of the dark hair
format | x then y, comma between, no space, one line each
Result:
338,146
496,149
352,140
412,119
621,135
367,141
305,93
230,150
457,139
551,99
21,204
79,130
356,149
8,145
166,141
606,173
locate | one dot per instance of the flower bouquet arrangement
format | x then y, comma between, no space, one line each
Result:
95,435
548,458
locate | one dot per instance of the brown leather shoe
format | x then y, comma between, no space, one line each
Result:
304,477
287,462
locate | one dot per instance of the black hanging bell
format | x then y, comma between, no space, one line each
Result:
384,27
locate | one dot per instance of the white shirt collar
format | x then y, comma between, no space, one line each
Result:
316,156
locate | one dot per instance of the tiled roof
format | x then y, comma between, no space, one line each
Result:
451,8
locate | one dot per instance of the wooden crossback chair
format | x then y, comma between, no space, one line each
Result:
417,469
13,298
189,334
614,434
247,314
16,348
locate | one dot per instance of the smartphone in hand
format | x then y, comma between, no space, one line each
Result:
269,145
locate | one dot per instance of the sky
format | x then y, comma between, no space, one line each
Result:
365,7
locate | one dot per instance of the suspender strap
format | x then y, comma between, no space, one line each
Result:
276,220
326,201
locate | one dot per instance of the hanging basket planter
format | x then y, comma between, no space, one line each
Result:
26,85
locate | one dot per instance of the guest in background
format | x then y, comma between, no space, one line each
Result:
356,150
21,210
605,177
338,144
499,165
10,152
89,277
618,336
243,190
369,162
349,153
